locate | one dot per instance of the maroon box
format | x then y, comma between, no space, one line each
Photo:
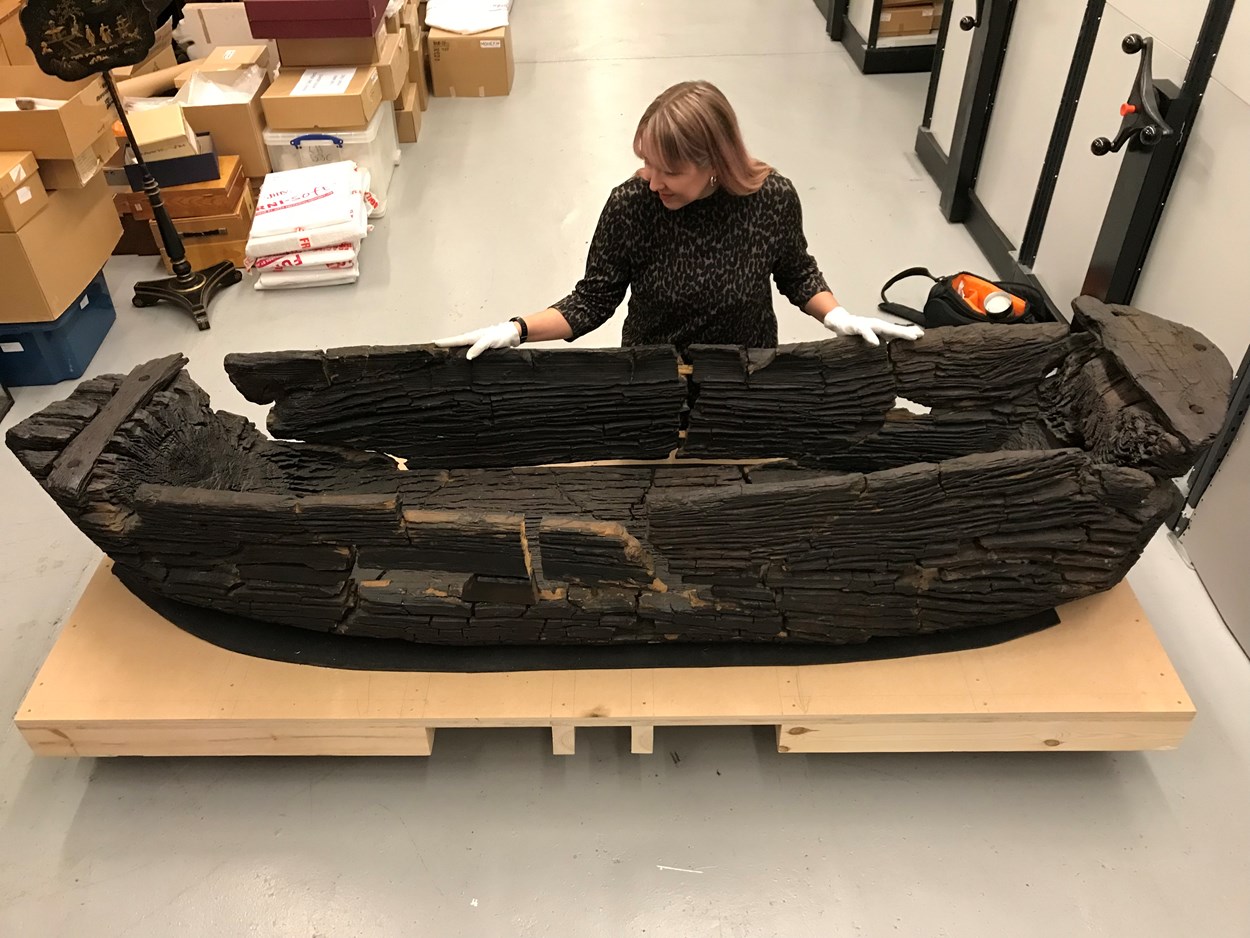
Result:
314,19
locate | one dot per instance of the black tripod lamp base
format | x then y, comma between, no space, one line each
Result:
193,294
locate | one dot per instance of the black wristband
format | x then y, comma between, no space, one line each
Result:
525,330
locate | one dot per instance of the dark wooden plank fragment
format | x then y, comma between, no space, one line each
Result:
70,471
593,553
432,406
1176,368
800,401
1150,394
461,541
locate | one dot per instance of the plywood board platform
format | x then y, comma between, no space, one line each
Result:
121,680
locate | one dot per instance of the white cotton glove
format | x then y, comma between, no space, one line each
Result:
868,327
502,335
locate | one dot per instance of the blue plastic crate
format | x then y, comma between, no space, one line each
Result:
48,352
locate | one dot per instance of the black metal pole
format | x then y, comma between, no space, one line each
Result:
174,249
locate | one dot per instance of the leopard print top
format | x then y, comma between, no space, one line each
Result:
698,274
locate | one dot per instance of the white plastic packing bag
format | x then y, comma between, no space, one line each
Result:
299,279
467,16
318,257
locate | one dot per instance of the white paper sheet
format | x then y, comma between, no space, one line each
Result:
323,81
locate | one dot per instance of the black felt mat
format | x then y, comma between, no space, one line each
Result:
287,643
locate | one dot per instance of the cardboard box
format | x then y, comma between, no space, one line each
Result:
392,66
22,194
49,263
474,66
209,25
408,115
162,59
200,256
909,21
60,134
212,197
163,133
232,226
314,19
77,172
238,129
156,84
304,53
326,98
228,58
413,31
394,23
13,48
418,73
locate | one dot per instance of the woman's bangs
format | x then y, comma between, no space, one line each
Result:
659,143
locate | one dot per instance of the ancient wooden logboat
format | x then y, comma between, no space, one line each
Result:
444,501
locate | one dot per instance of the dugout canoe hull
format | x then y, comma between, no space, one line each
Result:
818,509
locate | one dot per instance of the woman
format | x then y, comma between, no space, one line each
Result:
695,234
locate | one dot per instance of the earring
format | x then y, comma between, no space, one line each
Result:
712,181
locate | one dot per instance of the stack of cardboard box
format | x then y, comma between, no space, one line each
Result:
341,60
909,17
415,95
213,216
57,224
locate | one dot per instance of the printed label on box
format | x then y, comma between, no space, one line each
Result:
17,173
11,347
323,81
228,54
24,195
491,43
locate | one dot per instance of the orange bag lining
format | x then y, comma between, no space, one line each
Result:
975,290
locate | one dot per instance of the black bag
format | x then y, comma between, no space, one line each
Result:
956,301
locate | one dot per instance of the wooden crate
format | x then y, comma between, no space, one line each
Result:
121,680
215,197
210,239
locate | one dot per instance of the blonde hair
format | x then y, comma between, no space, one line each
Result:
693,122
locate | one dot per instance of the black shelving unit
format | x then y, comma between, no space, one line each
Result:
869,55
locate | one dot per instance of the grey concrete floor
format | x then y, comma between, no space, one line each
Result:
493,836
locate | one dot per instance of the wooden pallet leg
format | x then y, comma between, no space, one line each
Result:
428,748
642,739
563,739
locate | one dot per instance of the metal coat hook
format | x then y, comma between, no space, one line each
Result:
1142,119
972,22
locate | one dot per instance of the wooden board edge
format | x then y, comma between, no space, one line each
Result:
229,738
1025,735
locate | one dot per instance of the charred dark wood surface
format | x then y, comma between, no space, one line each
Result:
431,406
1150,393
1037,477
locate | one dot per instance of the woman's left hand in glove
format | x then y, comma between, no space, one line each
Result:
870,328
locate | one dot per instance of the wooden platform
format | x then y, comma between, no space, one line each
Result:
121,680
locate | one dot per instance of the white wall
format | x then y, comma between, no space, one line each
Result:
1195,272
951,78
1039,54
859,12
